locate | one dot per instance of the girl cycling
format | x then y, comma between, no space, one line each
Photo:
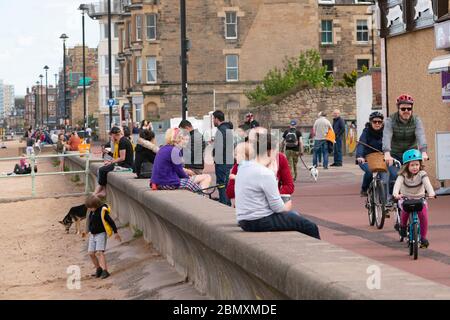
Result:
412,182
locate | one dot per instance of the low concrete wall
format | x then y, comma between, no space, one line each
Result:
201,239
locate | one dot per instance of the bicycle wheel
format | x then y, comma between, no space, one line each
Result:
369,206
379,205
415,241
410,240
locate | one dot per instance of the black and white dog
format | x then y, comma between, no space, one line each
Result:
76,214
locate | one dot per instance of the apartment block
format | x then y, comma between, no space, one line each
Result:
232,45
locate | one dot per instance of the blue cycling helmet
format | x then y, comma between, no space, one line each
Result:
411,155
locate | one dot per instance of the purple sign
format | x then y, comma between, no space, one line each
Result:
445,86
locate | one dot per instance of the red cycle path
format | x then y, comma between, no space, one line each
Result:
334,203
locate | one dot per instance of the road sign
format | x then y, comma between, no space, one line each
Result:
111,102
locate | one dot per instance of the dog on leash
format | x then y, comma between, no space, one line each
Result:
314,173
76,214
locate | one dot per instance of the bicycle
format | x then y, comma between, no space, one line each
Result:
376,201
413,207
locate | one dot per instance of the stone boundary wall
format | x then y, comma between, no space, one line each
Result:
302,106
201,239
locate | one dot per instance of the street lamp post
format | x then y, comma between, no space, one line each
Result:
109,63
36,101
42,102
83,8
56,98
46,93
64,37
184,48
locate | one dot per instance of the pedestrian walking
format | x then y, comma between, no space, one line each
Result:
321,127
339,130
293,145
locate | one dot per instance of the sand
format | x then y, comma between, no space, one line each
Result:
38,258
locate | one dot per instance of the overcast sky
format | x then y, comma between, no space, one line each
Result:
29,38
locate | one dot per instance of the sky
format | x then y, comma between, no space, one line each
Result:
29,38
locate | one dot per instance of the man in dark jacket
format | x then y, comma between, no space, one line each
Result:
339,130
250,122
193,153
223,153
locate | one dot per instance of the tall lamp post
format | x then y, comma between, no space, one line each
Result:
184,48
109,64
64,37
84,8
46,94
36,100
42,102
56,97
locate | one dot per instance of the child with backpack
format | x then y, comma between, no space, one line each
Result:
99,225
412,182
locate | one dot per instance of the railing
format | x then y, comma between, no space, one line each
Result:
33,174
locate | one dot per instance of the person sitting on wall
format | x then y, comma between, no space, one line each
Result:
146,150
168,172
74,142
259,205
122,157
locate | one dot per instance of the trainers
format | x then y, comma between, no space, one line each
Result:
363,193
97,273
105,274
424,243
402,231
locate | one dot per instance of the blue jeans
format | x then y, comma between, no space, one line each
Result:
222,174
338,151
285,221
385,177
320,147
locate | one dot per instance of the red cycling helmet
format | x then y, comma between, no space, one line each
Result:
405,99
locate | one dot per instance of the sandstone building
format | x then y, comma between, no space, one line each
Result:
233,44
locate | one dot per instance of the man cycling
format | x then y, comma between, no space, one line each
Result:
402,131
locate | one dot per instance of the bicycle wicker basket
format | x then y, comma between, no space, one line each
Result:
376,163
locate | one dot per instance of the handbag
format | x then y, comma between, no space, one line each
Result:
146,170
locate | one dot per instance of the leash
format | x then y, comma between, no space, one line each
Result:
304,163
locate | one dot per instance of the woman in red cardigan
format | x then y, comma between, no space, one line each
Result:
279,165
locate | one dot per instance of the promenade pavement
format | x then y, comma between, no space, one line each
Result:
334,203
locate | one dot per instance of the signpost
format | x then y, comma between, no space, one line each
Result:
443,160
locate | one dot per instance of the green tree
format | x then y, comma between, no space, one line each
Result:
304,70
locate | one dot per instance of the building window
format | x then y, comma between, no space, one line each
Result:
232,67
105,65
151,26
116,30
327,32
329,65
361,63
231,25
364,1
151,69
129,35
138,70
116,65
326,1
362,31
123,39
138,28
